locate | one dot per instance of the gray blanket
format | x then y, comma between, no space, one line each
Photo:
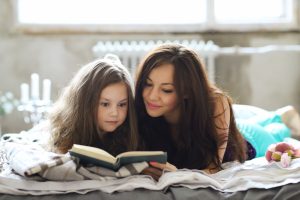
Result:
289,192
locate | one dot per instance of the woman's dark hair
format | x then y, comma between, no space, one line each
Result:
197,142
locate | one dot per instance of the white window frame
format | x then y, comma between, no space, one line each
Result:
209,25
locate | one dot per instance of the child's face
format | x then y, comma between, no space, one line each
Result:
113,106
159,93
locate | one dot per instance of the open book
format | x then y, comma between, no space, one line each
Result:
99,157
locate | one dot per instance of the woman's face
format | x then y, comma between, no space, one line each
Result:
113,107
159,93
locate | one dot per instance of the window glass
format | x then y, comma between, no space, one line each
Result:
251,11
111,11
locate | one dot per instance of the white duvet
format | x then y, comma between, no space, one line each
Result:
257,173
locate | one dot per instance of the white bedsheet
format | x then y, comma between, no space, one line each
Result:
257,173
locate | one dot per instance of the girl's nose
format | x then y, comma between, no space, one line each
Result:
114,111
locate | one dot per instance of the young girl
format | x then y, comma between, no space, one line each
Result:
183,113
96,109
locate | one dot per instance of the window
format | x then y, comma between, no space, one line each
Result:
110,12
254,11
155,15
255,14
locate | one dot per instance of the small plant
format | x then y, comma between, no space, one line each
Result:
7,103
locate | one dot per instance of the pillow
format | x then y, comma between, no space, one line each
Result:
246,111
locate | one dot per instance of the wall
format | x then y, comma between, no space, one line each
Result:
268,80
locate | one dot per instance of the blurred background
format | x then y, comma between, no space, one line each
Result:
251,47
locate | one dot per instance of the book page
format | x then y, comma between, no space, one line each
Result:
140,153
94,152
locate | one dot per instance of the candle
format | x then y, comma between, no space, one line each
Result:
24,92
46,90
35,86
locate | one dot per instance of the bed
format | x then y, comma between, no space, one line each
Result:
255,179
286,192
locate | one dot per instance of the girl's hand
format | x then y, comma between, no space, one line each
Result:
156,169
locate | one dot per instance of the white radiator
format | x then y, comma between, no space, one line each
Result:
131,52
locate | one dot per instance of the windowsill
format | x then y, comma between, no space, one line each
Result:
153,29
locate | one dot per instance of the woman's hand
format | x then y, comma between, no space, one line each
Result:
156,169
167,166
153,172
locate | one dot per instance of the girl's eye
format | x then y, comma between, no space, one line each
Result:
104,104
123,104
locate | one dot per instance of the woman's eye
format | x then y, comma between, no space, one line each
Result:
104,104
148,84
167,91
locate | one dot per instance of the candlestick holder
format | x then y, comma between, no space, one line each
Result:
35,109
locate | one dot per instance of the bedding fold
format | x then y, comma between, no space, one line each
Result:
32,160
32,170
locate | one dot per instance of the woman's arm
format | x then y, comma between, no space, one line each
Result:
156,169
222,122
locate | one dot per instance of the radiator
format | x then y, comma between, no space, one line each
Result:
131,52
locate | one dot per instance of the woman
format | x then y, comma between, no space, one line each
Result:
181,112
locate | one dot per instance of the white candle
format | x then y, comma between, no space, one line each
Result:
35,86
46,90
24,92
